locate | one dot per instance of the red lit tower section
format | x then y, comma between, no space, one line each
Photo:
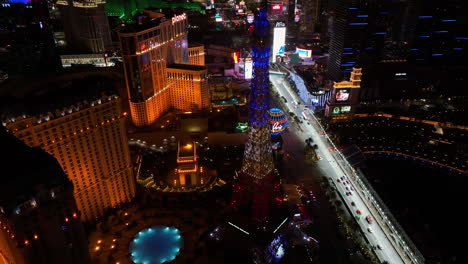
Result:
256,189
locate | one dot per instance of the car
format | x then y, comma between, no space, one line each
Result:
369,219
353,204
379,247
347,182
358,212
338,180
369,230
347,188
350,193
352,188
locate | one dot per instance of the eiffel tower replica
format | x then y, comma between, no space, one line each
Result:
257,189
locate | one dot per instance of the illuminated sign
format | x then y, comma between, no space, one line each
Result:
277,7
278,121
179,18
341,109
304,53
248,69
242,127
218,19
279,39
235,56
250,18
280,24
342,95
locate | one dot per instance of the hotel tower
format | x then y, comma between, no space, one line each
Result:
158,77
82,125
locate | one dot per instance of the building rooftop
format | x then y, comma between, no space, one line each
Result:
194,44
151,17
58,94
186,149
189,67
26,173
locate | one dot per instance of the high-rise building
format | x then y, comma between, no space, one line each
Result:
440,31
256,189
83,127
149,47
189,87
360,31
39,220
196,53
86,25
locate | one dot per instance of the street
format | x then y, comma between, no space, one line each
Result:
330,168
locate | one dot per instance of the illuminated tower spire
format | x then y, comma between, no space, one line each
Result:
258,159
256,178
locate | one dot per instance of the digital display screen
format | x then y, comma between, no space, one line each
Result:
279,40
250,18
304,53
341,109
342,95
248,69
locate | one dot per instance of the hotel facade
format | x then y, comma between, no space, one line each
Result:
151,46
88,139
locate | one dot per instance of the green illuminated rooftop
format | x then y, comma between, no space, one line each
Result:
126,9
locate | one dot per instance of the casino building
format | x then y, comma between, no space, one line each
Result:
345,97
156,59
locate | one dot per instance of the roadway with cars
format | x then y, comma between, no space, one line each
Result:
332,169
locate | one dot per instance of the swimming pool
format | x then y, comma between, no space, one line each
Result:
156,245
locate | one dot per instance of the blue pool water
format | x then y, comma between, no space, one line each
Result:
155,245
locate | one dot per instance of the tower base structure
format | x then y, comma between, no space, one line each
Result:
256,198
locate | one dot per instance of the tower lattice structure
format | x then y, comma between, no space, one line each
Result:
256,187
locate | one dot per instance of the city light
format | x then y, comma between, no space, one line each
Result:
238,228
279,39
248,69
304,53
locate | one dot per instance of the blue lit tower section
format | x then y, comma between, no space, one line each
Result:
255,189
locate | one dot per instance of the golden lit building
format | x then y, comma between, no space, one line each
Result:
188,173
196,53
39,219
189,87
88,138
148,47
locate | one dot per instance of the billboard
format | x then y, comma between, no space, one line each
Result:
342,95
279,39
276,7
250,18
341,109
248,69
304,53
